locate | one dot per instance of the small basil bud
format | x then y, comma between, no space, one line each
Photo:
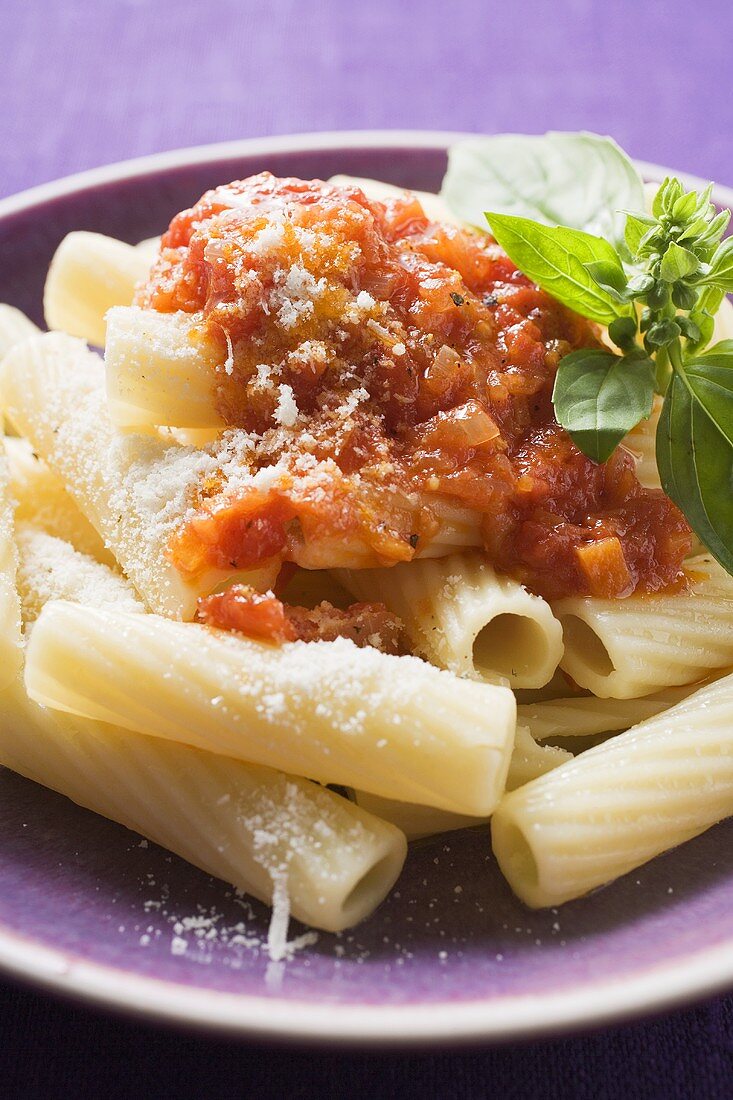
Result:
683,296
662,332
658,296
689,329
623,331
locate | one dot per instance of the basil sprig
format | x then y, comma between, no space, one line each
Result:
657,292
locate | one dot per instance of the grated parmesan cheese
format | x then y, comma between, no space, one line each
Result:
286,412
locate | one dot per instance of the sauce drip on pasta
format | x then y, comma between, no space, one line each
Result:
387,368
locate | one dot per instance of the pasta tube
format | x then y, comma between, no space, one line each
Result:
256,828
415,821
11,650
150,247
261,830
14,327
621,649
51,569
159,371
618,805
462,615
89,274
135,490
390,725
41,498
586,716
528,761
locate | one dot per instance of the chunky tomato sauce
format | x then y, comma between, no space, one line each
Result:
263,615
387,366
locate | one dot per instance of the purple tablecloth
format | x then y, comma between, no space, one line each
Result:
86,82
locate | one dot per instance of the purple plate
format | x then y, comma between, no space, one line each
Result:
89,909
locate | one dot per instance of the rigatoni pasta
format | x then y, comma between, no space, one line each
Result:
158,372
41,498
14,327
463,616
347,717
134,489
529,760
259,829
622,649
88,275
620,804
312,519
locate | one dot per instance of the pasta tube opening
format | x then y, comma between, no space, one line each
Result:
516,858
624,649
461,615
512,646
620,804
371,887
589,653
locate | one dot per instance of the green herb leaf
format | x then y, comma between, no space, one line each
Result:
678,263
579,180
599,397
556,258
669,191
611,277
695,460
721,267
637,226
710,378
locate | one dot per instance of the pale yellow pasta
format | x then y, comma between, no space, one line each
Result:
89,274
257,828
160,370
135,490
251,826
150,248
14,327
391,725
621,649
41,498
528,761
584,716
11,650
458,529
462,615
51,569
618,805
415,821
433,205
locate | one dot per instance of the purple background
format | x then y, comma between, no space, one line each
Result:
85,83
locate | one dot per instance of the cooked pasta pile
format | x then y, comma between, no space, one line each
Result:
255,551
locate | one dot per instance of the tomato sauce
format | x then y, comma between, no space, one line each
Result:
264,616
387,365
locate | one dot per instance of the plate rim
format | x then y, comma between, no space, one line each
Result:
592,1004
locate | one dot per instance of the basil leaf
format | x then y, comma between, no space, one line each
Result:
710,378
677,263
576,179
599,397
555,259
721,267
637,226
695,460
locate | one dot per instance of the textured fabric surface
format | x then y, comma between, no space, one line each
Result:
87,82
